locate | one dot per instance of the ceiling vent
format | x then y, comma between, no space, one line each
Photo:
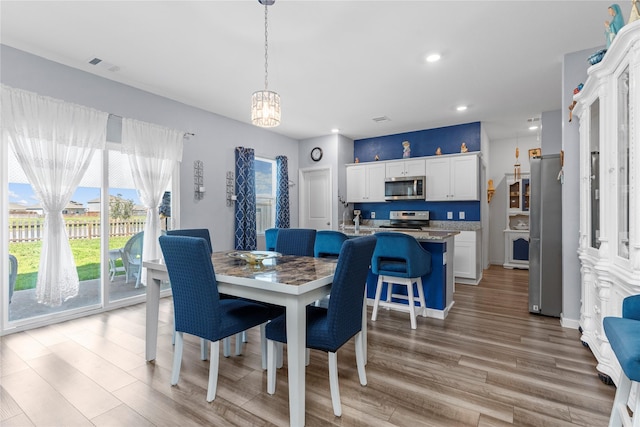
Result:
533,119
103,64
381,119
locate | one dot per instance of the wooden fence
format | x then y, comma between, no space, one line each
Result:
31,229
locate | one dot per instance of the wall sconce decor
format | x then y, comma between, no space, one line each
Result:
198,180
231,197
490,191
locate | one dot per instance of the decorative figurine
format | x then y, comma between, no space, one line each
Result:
439,151
357,160
635,12
612,28
406,149
463,148
376,158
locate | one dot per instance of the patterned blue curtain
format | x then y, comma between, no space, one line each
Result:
282,193
245,221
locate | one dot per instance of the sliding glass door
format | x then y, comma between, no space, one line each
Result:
104,223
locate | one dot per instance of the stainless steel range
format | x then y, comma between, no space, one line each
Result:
412,220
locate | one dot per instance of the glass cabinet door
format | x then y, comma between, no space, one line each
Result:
594,187
623,164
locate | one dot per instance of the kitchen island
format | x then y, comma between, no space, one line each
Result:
438,285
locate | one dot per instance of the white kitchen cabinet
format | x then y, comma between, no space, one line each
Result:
402,168
516,234
450,178
365,183
467,265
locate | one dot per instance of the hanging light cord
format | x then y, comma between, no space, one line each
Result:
266,49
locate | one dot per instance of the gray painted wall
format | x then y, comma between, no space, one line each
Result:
574,71
337,151
551,135
214,141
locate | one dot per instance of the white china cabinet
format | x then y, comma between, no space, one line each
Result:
609,247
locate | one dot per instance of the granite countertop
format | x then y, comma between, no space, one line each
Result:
437,230
420,235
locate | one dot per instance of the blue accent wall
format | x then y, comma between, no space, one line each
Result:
437,210
423,143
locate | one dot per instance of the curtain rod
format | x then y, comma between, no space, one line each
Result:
186,134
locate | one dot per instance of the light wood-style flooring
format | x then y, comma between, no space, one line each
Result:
490,363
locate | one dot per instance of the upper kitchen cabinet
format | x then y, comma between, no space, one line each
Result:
365,182
402,168
609,241
453,177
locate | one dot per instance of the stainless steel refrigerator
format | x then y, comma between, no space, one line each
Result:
545,236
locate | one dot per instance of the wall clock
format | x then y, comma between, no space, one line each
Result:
316,154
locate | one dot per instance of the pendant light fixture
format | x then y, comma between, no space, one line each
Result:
265,104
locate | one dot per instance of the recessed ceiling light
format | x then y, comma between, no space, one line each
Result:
335,130
434,57
533,127
461,108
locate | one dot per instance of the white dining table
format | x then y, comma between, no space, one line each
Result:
289,281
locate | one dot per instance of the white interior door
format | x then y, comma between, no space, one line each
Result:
315,198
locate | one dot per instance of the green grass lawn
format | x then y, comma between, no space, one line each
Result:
86,253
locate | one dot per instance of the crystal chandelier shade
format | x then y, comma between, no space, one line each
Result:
265,108
265,104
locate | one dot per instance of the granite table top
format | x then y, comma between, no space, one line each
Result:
285,269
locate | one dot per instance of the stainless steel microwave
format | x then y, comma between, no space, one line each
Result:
404,188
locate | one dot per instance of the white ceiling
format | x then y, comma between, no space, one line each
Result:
336,64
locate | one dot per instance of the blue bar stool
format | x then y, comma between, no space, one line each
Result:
400,260
623,334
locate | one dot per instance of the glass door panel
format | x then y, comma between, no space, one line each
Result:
26,231
594,145
623,164
126,226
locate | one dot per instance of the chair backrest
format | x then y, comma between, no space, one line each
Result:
193,282
296,241
270,236
402,251
328,243
13,274
133,248
193,232
631,307
344,316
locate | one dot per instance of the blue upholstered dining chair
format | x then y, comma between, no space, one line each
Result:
623,334
295,241
204,234
400,260
193,232
330,328
328,243
270,236
198,308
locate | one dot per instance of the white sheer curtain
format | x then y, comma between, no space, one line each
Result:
54,142
153,154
